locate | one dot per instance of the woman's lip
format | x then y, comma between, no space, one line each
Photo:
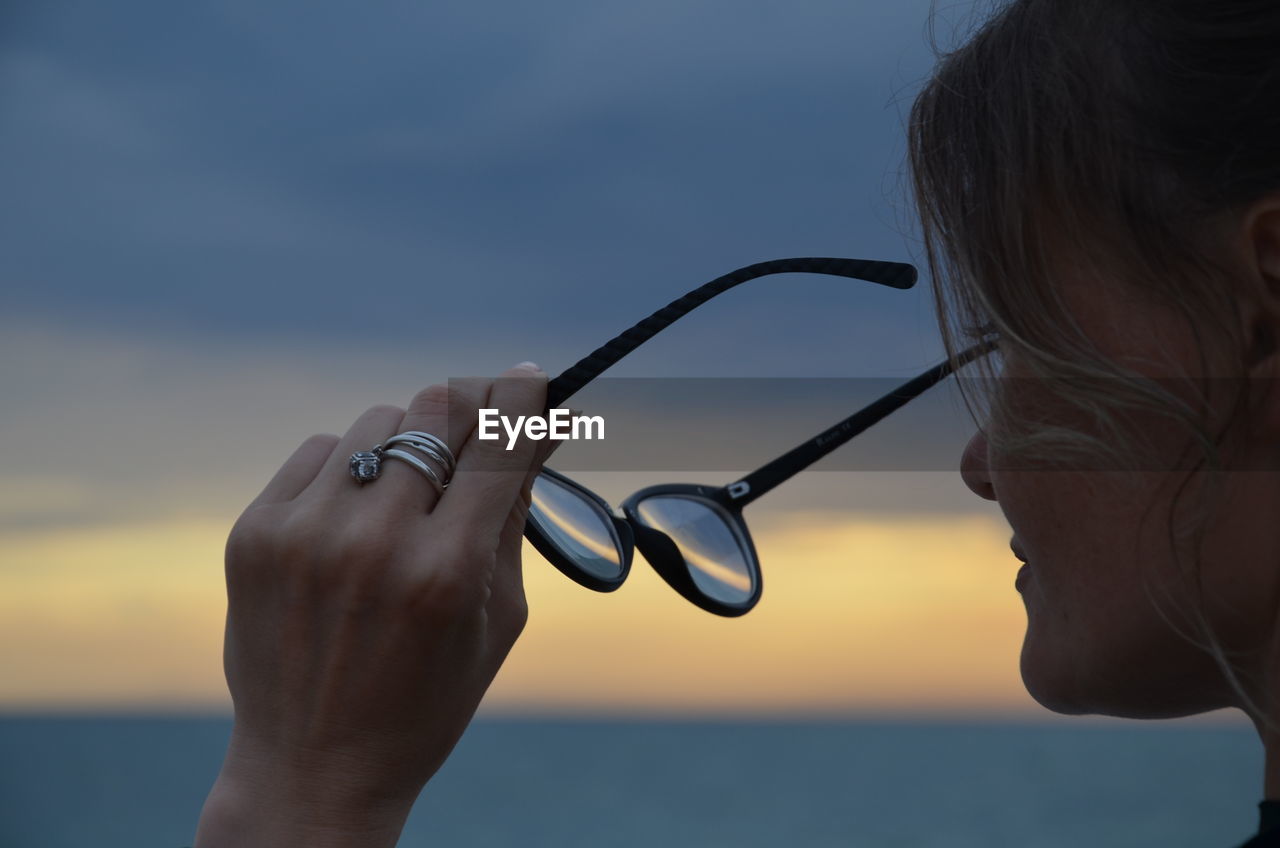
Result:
1024,574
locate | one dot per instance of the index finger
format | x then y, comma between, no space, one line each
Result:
488,478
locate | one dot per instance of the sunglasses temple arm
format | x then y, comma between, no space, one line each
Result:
766,477
898,275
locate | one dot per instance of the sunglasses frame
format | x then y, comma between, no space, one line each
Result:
655,546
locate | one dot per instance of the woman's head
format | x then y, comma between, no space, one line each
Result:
1099,183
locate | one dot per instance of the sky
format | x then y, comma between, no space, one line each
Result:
232,224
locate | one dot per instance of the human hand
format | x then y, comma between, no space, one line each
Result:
364,623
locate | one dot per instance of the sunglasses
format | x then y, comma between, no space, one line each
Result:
694,536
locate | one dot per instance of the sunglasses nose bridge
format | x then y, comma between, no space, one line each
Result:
657,549
664,556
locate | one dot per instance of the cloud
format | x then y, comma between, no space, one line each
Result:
247,168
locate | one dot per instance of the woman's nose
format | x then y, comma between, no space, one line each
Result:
973,467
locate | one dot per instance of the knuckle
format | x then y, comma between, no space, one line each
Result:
249,539
301,523
321,441
383,410
464,553
515,615
314,535
344,562
435,399
296,538
364,543
443,595
363,590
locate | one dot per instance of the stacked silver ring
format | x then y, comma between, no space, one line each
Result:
429,445
366,466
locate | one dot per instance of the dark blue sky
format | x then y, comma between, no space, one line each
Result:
549,172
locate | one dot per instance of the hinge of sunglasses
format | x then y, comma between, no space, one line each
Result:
739,489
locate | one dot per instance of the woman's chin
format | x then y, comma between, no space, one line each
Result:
1062,677
1071,683
1048,681
1065,683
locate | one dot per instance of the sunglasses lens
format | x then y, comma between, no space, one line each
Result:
578,526
716,557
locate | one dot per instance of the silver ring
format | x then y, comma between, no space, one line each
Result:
366,466
424,442
418,464
426,448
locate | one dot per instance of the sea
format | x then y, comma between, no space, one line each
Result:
139,781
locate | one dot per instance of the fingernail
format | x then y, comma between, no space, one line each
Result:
528,366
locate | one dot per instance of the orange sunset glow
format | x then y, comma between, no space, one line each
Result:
860,613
